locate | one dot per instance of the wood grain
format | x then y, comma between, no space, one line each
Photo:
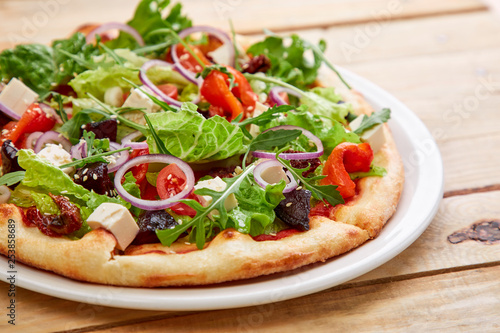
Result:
466,301
429,255
42,21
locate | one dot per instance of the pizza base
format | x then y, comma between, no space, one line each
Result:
231,255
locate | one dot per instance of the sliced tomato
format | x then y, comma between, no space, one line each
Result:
139,171
34,119
169,89
188,61
346,157
171,180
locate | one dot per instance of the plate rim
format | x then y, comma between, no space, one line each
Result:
210,297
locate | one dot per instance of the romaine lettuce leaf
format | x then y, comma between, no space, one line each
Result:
324,102
192,138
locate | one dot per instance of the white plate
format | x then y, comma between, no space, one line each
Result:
419,202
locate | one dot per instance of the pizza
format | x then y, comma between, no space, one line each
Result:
176,155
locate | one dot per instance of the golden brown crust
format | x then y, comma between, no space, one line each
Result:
230,255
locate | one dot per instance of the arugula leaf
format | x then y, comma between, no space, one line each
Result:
12,178
168,236
72,127
92,159
192,138
262,119
271,139
289,63
375,118
374,171
326,193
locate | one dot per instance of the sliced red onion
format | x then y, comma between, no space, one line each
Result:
274,95
154,204
52,137
76,151
127,141
4,194
32,139
147,82
294,156
257,174
120,159
115,25
9,112
221,35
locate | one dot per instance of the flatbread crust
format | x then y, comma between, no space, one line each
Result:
231,255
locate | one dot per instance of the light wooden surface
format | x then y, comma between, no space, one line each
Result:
433,55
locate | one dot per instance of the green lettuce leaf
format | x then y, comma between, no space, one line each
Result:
255,210
289,63
324,102
45,204
189,136
374,171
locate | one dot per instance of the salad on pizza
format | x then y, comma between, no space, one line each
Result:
158,153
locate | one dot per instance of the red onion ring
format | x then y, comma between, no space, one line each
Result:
122,157
32,139
52,137
154,204
293,156
127,141
274,95
147,82
221,35
115,25
9,112
76,151
292,185
4,194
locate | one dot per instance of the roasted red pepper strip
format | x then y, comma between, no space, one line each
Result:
243,90
346,157
216,91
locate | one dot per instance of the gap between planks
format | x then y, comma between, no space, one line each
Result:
360,284
466,191
353,22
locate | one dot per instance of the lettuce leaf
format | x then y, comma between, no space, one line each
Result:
324,102
255,210
330,135
192,138
290,63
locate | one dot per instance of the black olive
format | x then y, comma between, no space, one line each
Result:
294,209
149,222
95,177
9,158
105,129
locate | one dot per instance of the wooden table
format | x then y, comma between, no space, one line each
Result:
441,58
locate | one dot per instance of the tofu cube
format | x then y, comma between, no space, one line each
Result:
17,96
374,136
116,219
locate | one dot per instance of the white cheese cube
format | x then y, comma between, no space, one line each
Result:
138,99
374,136
17,96
116,219
56,155
221,54
259,109
114,96
218,185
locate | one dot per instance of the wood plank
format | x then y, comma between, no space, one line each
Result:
460,302
430,253
42,21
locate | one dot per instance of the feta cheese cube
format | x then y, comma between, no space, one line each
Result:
218,185
259,109
17,96
56,155
116,219
114,96
374,136
138,99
